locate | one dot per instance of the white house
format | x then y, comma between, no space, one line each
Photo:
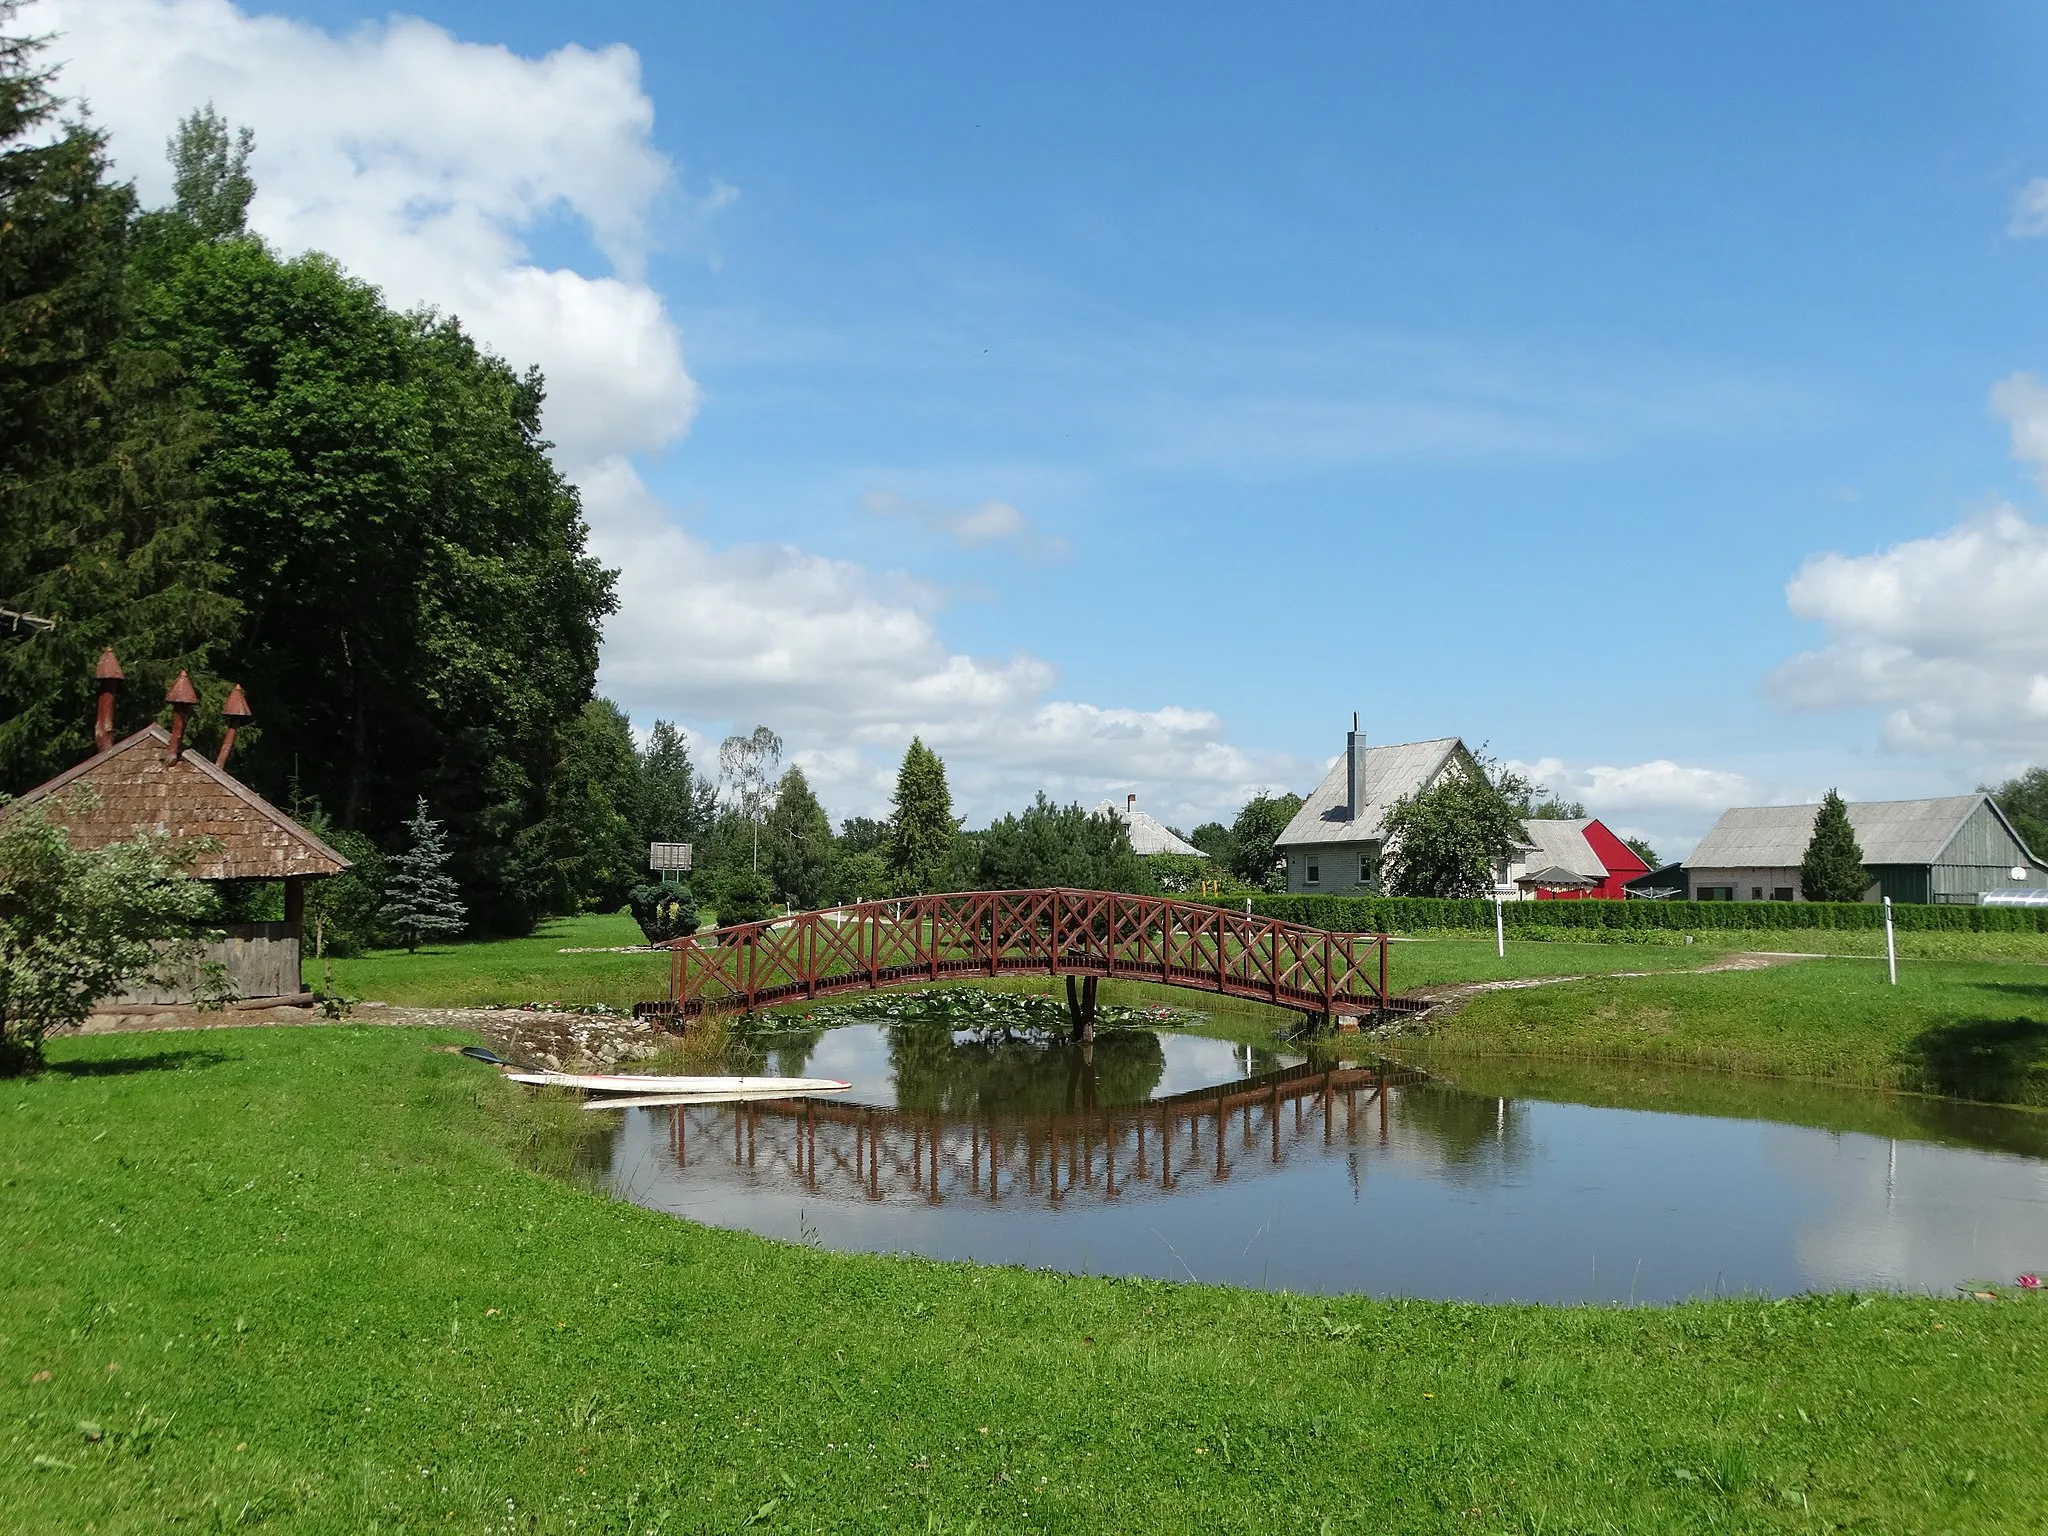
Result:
1149,835
1336,841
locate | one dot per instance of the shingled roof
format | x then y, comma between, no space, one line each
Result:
142,789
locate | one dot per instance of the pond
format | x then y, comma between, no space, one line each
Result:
1173,1155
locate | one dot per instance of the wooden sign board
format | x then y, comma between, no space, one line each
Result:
668,855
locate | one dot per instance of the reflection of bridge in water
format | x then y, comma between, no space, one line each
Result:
860,1152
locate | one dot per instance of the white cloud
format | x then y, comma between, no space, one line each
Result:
1661,785
2022,401
1668,803
426,164
850,662
1948,634
2030,210
422,163
1951,632
990,522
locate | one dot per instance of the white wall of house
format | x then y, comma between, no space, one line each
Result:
1747,884
1338,869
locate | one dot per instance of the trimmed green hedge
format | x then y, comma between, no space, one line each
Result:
1408,914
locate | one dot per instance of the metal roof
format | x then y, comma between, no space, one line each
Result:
139,788
1148,833
1888,832
1562,845
1555,877
1385,775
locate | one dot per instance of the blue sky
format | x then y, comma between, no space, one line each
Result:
1489,370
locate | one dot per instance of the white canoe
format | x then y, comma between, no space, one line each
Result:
664,1100
781,1087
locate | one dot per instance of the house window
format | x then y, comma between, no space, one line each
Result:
1783,893
1365,869
1756,893
1315,874
1714,893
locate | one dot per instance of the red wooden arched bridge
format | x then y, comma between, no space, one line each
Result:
1076,934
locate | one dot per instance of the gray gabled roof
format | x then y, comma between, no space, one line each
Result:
1386,774
1562,845
1888,832
1148,833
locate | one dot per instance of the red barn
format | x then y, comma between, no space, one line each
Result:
1574,860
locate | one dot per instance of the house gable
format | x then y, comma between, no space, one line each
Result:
1386,776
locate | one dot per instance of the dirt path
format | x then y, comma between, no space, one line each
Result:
1447,999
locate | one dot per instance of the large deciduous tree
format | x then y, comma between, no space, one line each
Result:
421,616
2024,799
1448,839
1254,857
1832,869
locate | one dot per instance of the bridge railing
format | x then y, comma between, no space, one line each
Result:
878,944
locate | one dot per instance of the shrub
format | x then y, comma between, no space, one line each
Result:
664,912
1412,914
742,896
79,925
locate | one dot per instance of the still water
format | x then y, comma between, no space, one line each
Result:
1183,1157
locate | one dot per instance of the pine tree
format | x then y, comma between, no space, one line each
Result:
420,897
1833,867
921,827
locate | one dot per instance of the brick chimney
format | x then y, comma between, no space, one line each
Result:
181,698
107,677
237,713
1130,805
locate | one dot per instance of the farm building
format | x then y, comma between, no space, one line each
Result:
1954,849
1574,860
1334,844
1149,835
153,781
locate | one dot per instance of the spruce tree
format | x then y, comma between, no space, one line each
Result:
921,827
1833,867
797,843
102,526
420,898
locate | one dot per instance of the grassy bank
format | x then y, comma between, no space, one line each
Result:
1966,1029
509,971
298,1279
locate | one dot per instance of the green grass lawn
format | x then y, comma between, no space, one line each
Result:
476,972
300,1280
1966,1029
505,971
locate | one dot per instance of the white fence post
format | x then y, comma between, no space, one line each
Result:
1891,953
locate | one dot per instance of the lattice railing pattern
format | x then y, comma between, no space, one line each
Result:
1046,932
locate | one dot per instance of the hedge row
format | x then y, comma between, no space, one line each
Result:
1408,914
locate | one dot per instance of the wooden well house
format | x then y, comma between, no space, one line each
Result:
153,781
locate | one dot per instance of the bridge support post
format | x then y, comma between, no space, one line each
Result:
1081,1008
